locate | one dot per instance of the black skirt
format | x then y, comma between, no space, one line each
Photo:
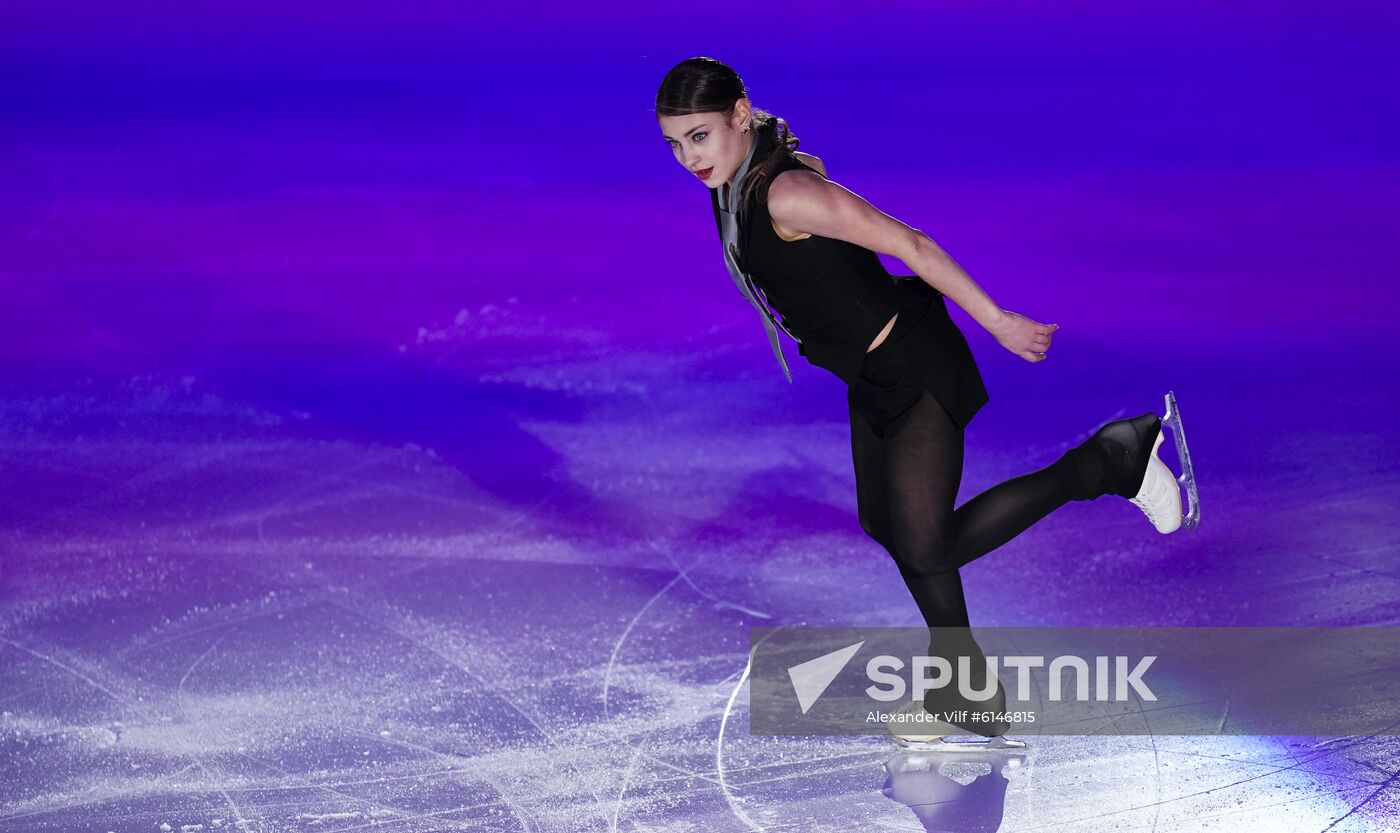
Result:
924,351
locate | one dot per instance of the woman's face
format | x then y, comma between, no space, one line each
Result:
709,145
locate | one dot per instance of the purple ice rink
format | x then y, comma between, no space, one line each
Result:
383,444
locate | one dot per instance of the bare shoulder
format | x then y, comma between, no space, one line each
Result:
810,161
797,186
805,203
792,195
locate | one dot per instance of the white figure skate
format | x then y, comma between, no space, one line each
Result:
1159,495
933,735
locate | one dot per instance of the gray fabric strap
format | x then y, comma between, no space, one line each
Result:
726,215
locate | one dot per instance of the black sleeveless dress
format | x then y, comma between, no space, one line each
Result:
835,297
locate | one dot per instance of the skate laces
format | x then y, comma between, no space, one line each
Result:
1154,502
1146,509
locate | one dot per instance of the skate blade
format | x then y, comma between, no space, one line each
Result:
936,743
930,732
1183,453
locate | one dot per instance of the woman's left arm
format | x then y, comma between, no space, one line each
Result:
805,202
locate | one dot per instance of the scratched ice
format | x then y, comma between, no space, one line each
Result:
280,630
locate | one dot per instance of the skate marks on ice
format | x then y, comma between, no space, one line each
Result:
290,625
286,753
436,693
425,697
229,600
324,681
239,744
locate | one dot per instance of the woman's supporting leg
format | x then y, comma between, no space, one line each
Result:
922,469
905,486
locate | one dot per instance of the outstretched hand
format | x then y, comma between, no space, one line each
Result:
1025,337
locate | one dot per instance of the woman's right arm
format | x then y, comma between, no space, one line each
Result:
1023,336
804,202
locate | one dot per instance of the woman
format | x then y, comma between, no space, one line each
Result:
807,246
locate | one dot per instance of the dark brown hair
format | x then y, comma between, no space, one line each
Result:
704,85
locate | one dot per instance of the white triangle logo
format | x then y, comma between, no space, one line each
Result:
812,677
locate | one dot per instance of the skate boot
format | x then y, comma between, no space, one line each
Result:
1138,474
933,735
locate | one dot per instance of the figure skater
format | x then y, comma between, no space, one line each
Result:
800,242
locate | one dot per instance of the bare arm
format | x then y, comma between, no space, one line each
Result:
804,202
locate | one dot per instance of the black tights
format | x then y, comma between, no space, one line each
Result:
905,487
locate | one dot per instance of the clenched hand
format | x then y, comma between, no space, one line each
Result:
1023,336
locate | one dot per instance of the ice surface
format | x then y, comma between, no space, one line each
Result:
349,482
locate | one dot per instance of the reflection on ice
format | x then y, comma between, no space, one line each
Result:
953,790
